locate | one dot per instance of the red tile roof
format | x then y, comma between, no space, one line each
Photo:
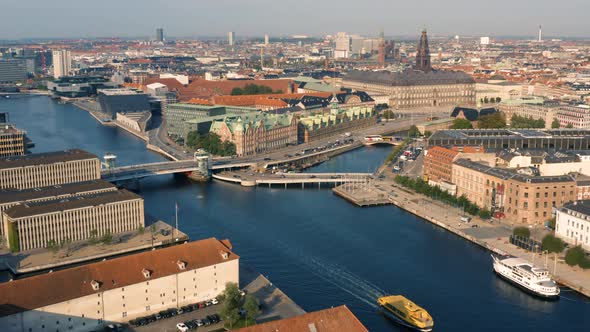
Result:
339,319
59,286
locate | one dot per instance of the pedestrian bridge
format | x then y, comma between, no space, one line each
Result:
254,179
132,172
378,139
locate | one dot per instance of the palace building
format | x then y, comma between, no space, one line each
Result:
421,86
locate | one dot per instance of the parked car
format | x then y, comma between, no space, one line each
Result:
199,322
179,311
206,322
181,327
215,301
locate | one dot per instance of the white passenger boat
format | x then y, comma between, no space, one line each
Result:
534,280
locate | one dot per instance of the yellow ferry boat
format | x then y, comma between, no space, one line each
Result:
406,312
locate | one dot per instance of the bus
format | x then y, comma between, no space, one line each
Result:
374,138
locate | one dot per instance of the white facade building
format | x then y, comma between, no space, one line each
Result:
484,40
572,223
341,45
231,38
88,297
62,63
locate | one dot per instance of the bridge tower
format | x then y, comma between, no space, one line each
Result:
203,159
109,161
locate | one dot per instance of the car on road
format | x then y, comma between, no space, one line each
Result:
267,159
215,301
312,177
182,327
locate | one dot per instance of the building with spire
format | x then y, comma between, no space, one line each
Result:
419,87
423,54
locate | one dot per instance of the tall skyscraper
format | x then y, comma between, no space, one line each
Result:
382,49
160,34
342,45
540,34
62,63
266,39
423,54
231,38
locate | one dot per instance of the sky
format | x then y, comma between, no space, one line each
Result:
193,18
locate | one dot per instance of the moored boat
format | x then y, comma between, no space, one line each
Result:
534,280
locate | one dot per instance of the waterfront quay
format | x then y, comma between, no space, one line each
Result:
251,179
492,236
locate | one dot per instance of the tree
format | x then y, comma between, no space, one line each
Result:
251,307
526,122
461,124
569,126
576,256
498,100
414,131
388,114
93,236
232,300
485,214
52,245
552,244
555,124
107,237
253,89
522,232
140,229
210,142
427,133
486,100
492,121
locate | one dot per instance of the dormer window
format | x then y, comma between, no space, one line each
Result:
146,273
224,254
95,285
181,265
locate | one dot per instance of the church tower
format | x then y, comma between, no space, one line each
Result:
423,54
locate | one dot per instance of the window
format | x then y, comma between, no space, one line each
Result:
124,313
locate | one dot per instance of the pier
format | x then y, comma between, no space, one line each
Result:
254,179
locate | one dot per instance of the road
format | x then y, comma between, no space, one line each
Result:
159,138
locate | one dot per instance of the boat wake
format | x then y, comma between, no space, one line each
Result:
340,277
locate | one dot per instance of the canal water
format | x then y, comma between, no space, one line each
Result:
319,249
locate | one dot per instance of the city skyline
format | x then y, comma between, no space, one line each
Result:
187,19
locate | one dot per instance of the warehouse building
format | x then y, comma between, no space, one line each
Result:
91,296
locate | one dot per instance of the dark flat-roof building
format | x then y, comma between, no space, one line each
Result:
113,101
13,70
560,139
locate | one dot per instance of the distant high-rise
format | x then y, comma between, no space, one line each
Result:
266,39
160,34
423,54
342,45
231,38
540,34
382,49
62,63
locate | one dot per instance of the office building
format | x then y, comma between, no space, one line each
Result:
79,86
48,169
160,34
91,296
484,41
257,133
12,141
181,118
231,38
341,45
519,198
336,319
572,223
560,139
12,197
62,63
13,70
113,101
33,225
339,120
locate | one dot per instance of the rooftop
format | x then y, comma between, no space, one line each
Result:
7,128
582,207
70,203
328,320
63,285
505,174
509,133
117,92
409,77
45,158
8,196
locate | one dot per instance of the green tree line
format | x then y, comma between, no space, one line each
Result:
211,143
253,89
